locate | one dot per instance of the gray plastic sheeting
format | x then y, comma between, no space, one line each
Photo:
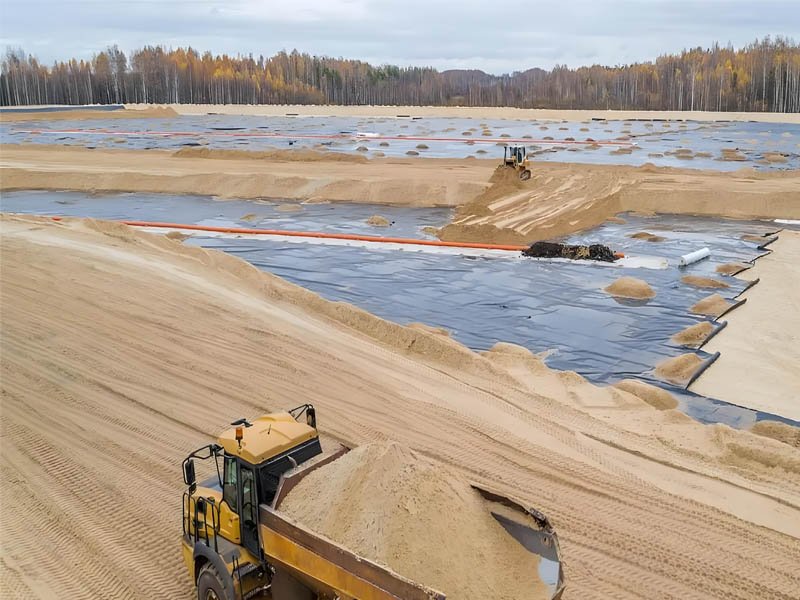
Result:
543,306
230,132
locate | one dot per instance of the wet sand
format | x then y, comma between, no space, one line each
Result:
108,381
760,347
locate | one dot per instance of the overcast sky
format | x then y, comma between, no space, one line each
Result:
496,36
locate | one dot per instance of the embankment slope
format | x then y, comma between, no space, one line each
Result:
123,351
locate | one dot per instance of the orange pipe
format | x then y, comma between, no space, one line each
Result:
321,235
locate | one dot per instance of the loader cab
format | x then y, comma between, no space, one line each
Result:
253,456
514,155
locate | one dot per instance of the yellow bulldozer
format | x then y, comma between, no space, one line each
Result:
238,545
516,157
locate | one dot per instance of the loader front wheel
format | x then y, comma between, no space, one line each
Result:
525,175
286,587
209,584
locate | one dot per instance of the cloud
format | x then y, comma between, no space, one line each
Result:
489,35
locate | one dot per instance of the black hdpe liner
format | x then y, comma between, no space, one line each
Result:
540,305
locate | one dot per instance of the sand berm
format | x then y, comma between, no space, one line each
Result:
492,206
123,351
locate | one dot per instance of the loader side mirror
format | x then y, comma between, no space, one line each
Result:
311,417
189,477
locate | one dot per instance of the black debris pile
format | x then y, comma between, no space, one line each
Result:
554,250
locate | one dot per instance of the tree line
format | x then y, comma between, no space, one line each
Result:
762,76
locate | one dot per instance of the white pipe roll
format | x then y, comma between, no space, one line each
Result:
693,257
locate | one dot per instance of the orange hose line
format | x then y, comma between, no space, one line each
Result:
321,235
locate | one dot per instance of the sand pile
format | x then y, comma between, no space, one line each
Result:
774,157
732,154
783,432
378,221
422,520
646,235
631,287
177,236
654,396
703,282
732,268
694,335
290,207
678,369
713,306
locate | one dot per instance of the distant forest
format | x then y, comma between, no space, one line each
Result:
763,76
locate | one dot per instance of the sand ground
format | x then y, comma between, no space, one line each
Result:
123,351
760,347
560,198
473,112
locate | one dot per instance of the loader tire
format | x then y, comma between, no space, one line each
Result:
286,587
525,175
209,584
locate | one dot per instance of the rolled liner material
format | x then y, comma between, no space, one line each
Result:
722,325
693,257
710,361
748,286
730,308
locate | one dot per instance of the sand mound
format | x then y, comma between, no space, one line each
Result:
400,509
679,369
430,230
249,217
646,235
754,452
384,144
422,146
703,282
654,396
732,154
774,157
412,153
713,306
362,149
616,220
631,287
299,155
694,335
289,208
783,432
378,221
177,236
731,268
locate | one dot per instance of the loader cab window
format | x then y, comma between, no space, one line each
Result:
230,493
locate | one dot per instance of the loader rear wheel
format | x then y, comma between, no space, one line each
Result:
286,587
209,584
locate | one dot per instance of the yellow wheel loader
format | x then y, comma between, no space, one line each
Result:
238,545
516,157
